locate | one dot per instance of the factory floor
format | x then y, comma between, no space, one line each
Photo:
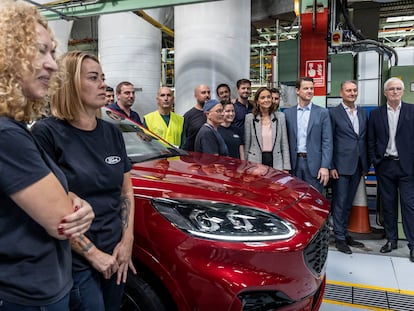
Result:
368,279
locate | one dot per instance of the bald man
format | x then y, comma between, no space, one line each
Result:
163,121
195,117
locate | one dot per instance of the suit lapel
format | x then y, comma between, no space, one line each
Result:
345,116
361,121
274,129
312,118
258,130
384,117
401,117
295,121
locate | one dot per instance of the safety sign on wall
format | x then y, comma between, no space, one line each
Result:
316,69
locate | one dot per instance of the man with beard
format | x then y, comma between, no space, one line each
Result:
195,117
242,105
224,93
125,94
275,97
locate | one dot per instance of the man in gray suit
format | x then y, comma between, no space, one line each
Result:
310,137
349,162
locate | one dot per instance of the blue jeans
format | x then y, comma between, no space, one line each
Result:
61,305
92,292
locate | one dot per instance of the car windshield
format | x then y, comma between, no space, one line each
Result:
141,144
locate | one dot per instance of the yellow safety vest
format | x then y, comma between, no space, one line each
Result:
172,132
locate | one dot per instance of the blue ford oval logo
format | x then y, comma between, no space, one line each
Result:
113,160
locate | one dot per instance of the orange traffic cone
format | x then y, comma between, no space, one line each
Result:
359,217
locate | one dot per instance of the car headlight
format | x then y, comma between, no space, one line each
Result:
223,221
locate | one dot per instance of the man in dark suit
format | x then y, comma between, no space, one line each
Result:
349,161
390,149
310,137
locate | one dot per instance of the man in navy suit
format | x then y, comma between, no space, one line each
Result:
390,149
349,161
310,137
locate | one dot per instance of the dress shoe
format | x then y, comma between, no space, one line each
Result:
342,246
412,255
389,246
351,242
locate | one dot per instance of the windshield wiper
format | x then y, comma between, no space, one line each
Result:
172,153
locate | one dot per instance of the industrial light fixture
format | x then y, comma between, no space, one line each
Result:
296,7
396,19
385,1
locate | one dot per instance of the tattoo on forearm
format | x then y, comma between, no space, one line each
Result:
125,209
81,244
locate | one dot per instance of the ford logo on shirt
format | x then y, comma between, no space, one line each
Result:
113,160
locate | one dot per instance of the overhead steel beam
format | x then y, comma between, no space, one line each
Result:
76,9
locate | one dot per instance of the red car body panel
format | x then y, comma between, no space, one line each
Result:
204,274
195,270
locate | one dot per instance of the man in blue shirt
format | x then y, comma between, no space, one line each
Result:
125,94
349,161
310,137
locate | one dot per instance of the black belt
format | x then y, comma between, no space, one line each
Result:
391,157
302,155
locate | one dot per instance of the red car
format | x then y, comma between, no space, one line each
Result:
217,233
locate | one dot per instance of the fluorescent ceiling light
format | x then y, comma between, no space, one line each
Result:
385,1
397,19
398,25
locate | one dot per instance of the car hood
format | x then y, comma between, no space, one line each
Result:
208,177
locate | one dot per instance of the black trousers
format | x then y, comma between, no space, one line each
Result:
267,158
393,183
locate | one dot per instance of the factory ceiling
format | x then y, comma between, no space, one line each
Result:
392,22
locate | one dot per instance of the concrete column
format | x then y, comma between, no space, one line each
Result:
130,50
212,46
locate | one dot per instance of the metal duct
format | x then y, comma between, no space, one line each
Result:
130,50
265,12
62,30
212,46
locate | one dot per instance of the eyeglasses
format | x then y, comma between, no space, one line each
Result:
392,89
218,111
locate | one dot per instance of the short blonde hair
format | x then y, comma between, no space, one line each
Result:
18,49
66,103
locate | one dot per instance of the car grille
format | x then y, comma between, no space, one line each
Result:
316,252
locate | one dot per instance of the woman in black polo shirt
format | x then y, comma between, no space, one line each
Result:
91,152
36,215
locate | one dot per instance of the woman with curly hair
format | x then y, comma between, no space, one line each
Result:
91,152
37,215
266,140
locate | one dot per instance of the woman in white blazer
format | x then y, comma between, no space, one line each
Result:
266,140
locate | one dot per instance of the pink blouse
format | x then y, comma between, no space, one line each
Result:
267,137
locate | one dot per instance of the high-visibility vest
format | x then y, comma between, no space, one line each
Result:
172,132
